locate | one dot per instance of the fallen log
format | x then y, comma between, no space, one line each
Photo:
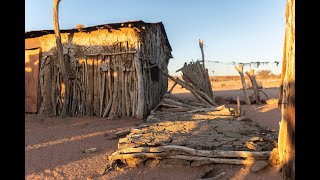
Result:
184,157
195,152
214,160
192,103
136,155
172,101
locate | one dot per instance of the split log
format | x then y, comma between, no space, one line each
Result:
184,157
110,89
176,109
171,105
115,76
95,86
213,160
238,113
194,111
90,97
207,109
126,92
196,152
243,81
254,83
102,97
192,103
140,88
136,155
171,101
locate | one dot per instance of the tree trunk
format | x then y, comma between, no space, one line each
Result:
64,111
254,85
286,140
243,81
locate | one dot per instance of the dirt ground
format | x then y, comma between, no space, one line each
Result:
53,149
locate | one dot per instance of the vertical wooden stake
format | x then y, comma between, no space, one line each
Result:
239,107
202,53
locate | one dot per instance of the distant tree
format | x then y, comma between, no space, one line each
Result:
264,73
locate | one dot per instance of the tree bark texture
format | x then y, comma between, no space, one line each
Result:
286,140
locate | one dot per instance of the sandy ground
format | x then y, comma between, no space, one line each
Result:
53,149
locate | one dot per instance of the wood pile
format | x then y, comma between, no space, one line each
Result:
199,93
198,76
193,132
201,135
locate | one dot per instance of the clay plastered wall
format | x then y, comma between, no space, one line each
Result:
79,44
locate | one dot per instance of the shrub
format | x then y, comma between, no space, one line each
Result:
264,73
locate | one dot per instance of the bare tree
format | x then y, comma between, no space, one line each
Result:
244,85
254,83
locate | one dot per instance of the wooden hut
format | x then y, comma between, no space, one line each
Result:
114,69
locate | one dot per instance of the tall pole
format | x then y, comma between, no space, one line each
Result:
286,140
65,78
202,53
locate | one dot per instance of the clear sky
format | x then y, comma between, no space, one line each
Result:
232,30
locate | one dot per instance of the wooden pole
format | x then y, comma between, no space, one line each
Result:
286,140
174,85
56,28
243,81
239,107
202,53
140,87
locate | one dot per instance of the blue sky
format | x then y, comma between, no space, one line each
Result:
232,30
